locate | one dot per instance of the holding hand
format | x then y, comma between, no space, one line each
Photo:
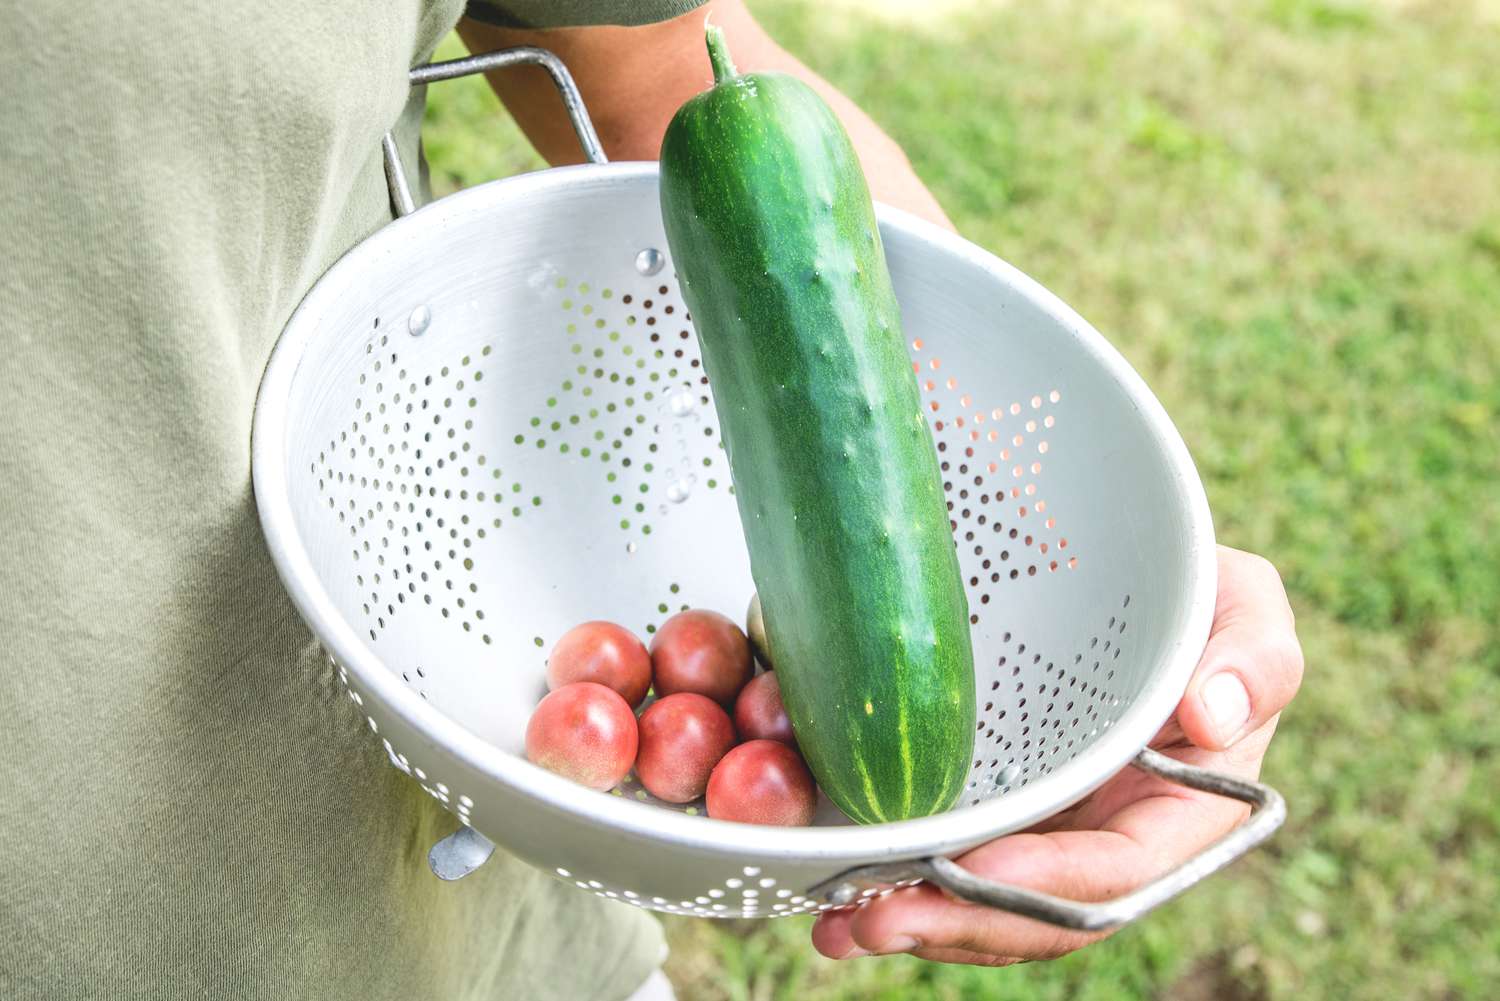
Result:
1133,828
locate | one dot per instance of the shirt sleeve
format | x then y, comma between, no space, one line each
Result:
575,13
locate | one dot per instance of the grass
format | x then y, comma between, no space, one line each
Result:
1286,213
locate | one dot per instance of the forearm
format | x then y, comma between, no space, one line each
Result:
634,79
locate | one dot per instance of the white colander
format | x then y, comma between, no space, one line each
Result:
489,422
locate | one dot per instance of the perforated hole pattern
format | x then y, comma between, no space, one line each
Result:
416,495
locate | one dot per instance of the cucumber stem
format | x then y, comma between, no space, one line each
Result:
718,53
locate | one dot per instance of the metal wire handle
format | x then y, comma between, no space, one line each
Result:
395,175
1268,811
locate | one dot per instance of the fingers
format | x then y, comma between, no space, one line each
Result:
922,918
967,958
1252,665
830,935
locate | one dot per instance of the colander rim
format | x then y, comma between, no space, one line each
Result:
938,834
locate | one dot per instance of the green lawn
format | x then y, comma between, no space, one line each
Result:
1286,213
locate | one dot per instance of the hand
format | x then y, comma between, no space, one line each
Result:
1131,829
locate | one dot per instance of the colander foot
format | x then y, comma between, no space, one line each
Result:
459,854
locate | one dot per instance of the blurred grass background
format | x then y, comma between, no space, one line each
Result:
1286,214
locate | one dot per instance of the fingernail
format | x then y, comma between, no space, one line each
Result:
855,952
901,943
1228,705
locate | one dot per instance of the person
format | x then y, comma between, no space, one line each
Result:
187,806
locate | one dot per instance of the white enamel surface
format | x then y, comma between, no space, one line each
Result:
444,653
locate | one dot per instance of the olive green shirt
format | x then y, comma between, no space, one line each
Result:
188,806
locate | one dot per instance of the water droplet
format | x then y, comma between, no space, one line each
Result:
1007,775
419,321
679,491
682,403
650,261
630,547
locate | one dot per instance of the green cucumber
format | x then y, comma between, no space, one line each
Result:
774,239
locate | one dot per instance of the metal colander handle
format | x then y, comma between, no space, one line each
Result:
395,175
1268,811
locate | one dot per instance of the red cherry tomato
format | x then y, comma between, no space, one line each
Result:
584,732
759,714
682,737
703,652
762,782
604,653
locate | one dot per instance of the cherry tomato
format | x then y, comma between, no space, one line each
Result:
682,737
762,782
703,652
604,653
584,732
759,714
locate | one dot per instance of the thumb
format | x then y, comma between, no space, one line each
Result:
1252,665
